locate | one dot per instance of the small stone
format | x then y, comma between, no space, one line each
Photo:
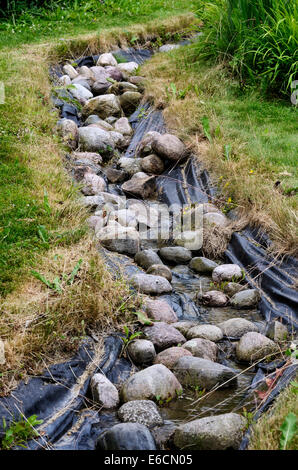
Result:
214,298
104,392
231,288
254,346
175,254
126,436
100,87
2,353
277,331
64,80
94,139
124,217
237,327
122,125
115,176
149,284
202,265
221,432
149,383
128,67
68,130
140,411
94,119
80,93
245,299
114,73
119,239
160,270
152,164
184,326
86,72
143,187
169,146
168,47
70,71
163,336
147,258
106,59
227,272
141,351
170,356
130,165
211,332
203,348
193,371
145,146
160,310
130,100
94,184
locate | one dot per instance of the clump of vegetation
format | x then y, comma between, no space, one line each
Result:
19,432
258,40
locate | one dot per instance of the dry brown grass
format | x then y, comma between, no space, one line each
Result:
256,197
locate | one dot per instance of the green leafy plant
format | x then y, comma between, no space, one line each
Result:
19,432
248,415
56,284
129,336
288,430
206,128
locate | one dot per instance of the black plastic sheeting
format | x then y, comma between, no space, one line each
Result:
60,395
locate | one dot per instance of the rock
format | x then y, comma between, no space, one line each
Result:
122,125
190,239
203,348
202,265
70,71
94,139
86,72
94,119
193,371
141,351
68,130
227,272
142,187
184,326
277,331
214,298
130,165
237,327
80,93
163,336
128,67
147,258
168,47
169,146
175,254
231,288
130,100
99,73
106,59
160,310
122,87
100,87
2,353
215,218
211,332
254,346
221,432
104,392
64,80
126,436
93,220
114,73
124,217
245,299
164,434
121,239
170,356
118,139
140,411
115,176
152,165
103,106
83,81
149,284
149,383
160,270
145,146
94,184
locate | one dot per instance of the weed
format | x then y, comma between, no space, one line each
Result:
288,430
19,432
129,336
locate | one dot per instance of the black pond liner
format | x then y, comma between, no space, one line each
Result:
60,395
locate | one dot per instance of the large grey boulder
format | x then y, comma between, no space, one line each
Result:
169,146
227,272
149,284
68,130
160,270
126,436
203,348
215,298
130,100
147,258
175,254
245,299
141,351
170,356
163,335
140,411
93,184
211,332
94,139
149,383
237,327
103,106
104,392
202,265
219,432
254,346
160,310
193,371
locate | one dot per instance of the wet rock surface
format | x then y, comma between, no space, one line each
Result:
126,436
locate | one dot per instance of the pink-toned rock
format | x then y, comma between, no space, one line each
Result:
170,356
163,336
215,298
160,310
200,347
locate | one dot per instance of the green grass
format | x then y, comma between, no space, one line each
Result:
64,19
